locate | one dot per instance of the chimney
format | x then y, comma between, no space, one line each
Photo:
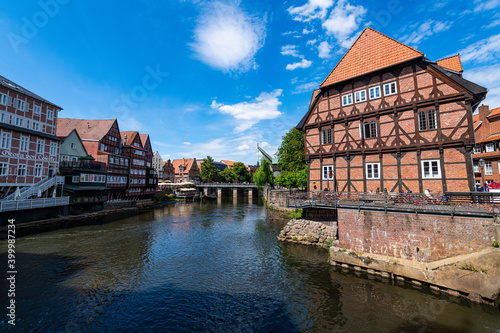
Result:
484,110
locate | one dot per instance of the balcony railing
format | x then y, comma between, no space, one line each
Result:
456,203
6,206
83,165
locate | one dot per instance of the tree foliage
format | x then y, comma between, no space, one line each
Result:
227,175
263,175
291,151
241,172
209,171
292,179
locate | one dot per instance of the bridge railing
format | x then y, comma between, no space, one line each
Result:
451,203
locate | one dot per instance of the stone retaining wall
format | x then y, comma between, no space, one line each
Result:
309,232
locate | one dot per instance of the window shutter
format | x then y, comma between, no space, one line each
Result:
361,129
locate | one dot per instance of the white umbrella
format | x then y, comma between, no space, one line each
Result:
39,193
54,193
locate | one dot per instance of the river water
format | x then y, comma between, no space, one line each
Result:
210,267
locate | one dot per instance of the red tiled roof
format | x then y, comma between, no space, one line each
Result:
88,129
130,136
493,137
186,162
494,113
452,63
370,52
315,93
475,117
144,139
228,163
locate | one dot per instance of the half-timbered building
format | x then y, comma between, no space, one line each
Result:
387,118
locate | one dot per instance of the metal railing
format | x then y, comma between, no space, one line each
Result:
6,206
456,203
42,186
215,184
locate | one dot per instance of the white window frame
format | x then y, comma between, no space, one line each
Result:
346,99
390,85
326,136
37,109
375,89
76,179
25,143
326,172
50,115
35,126
53,149
488,168
19,121
21,104
23,168
73,145
372,170
40,146
490,147
38,171
3,99
430,165
4,169
6,140
360,96
477,150
476,167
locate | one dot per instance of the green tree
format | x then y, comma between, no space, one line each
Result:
290,153
292,180
241,172
208,172
263,175
227,175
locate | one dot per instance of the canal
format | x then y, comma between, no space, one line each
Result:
210,267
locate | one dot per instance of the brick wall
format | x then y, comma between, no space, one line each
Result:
423,238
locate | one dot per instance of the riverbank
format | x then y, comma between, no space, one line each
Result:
113,212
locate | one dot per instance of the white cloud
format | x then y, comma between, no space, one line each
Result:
489,77
311,42
481,5
306,32
248,114
424,31
289,50
264,144
313,9
303,64
485,50
186,143
306,87
165,157
243,147
324,50
161,144
492,24
226,38
344,20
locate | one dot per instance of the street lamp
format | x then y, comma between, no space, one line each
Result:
481,165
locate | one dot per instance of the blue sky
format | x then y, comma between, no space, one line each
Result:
217,77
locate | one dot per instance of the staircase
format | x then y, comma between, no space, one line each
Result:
42,186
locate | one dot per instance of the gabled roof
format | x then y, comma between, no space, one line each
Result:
315,93
186,162
494,113
77,135
452,63
144,139
88,129
130,137
4,82
370,52
228,163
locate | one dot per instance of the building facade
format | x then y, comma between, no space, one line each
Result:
168,171
29,148
186,170
487,131
398,122
158,165
133,150
151,175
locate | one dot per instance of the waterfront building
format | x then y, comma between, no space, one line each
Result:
151,175
158,165
133,149
387,118
29,148
186,170
102,141
168,171
85,179
487,131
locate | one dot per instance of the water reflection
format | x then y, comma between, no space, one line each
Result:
212,266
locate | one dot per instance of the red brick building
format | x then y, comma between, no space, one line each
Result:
151,174
29,148
186,170
132,149
487,130
168,171
388,118
103,142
